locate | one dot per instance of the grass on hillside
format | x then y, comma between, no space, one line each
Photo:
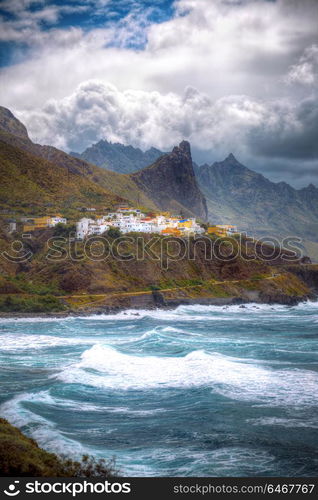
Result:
21,456
32,304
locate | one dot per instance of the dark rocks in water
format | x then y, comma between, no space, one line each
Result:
159,299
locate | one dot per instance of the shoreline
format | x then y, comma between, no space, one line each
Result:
157,304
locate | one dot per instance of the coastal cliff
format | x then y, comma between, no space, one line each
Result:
21,456
80,283
172,184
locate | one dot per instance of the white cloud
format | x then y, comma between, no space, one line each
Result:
26,25
143,118
76,87
219,47
306,70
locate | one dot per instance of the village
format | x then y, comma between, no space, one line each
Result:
127,220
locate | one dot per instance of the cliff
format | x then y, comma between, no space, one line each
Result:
172,184
80,282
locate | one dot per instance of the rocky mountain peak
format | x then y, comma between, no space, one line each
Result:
171,182
231,157
11,125
119,157
185,147
311,187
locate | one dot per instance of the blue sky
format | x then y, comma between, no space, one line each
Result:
227,75
84,14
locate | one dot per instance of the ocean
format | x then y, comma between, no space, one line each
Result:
197,391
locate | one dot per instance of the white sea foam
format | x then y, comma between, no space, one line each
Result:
171,329
39,428
35,319
186,461
284,422
105,367
21,341
185,311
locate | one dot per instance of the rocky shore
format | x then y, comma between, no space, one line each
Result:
156,300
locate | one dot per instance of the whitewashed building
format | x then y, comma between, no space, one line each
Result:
56,220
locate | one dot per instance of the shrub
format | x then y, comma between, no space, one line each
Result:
154,287
46,303
113,232
63,230
21,456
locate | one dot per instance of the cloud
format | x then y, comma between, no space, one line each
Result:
247,126
288,131
306,70
220,47
26,26
228,75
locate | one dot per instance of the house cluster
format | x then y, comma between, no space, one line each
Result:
33,223
129,220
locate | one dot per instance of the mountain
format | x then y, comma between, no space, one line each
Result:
237,195
31,172
10,124
30,183
171,183
119,158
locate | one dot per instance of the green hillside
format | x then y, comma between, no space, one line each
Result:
29,183
21,456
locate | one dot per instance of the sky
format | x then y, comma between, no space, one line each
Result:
236,76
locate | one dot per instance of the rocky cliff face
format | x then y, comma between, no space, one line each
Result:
119,158
172,184
11,125
238,195
306,273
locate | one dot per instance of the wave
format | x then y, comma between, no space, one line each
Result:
284,422
39,428
35,319
19,341
187,311
184,311
106,368
189,461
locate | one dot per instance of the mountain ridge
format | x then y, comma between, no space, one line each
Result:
238,195
118,157
125,187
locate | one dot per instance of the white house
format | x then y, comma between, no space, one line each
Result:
82,227
56,220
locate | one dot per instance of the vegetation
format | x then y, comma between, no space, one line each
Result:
36,183
113,232
21,456
32,304
24,285
79,280
64,230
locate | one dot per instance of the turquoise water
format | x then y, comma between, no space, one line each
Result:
199,391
